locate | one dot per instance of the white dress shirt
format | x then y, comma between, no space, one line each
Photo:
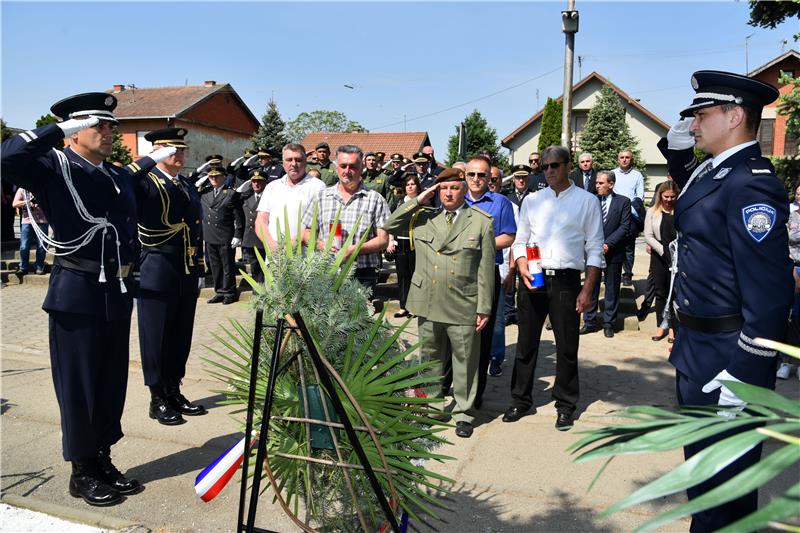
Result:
567,227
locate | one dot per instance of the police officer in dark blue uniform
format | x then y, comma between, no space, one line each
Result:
170,266
221,233
91,208
734,279
249,209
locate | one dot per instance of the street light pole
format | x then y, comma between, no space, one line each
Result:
569,25
747,55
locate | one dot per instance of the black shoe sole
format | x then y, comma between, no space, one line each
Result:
130,492
198,413
165,423
76,494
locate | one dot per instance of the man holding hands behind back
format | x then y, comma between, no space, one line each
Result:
451,290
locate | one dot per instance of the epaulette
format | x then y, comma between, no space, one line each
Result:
481,211
760,166
133,167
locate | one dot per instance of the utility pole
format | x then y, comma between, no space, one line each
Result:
747,55
537,99
569,25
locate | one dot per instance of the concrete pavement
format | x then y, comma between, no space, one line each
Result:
509,477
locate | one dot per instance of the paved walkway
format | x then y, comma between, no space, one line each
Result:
509,477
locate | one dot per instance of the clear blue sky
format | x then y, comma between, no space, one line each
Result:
403,59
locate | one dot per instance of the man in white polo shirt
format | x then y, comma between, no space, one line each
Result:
286,196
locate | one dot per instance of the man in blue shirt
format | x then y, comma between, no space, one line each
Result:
505,229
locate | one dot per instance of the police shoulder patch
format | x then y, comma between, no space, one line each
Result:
759,219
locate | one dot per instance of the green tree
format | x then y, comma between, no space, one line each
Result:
270,134
44,120
480,139
770,14
119,152
551,124
320,120
607,133
5,131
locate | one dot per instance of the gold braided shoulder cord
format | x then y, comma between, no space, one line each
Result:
413,221
170,229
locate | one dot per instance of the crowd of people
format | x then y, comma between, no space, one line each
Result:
473,254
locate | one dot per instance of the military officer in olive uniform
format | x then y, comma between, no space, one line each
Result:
326,167
373,177
379,158
221,217
170,266
91,207
251,241
734,280
451,290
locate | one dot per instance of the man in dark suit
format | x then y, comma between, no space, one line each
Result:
249,208
220,218
585,175
616,211
170,266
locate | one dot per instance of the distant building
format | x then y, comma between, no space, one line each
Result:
407,142
772,134
216,117
645,126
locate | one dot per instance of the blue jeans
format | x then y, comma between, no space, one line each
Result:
499,331
26,236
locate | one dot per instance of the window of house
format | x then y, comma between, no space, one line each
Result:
143,146
786,72
766,135
790,145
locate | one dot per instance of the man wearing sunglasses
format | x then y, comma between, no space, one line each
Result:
536,181
566,224
505,228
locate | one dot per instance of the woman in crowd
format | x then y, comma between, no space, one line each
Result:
785,368
401,247
659,231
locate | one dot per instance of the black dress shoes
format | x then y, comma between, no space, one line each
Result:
229,299
217,298
656,338
608,332
564,421
162,411
586,329
114,478
513,413
463,430
85,482
179,402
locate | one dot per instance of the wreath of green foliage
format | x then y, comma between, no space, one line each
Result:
378,369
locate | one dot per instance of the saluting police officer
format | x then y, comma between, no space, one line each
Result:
170,268
251,241
734,280
91,208
221,217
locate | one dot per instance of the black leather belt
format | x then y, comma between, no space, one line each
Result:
87,265
553,273
166,249
711,324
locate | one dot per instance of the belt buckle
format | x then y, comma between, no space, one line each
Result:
124,271
549,272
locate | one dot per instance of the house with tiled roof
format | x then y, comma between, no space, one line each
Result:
645,126
772,134
217,119
407,142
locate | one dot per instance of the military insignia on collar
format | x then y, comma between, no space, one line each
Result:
758,219
722,173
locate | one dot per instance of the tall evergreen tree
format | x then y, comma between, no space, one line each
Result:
119,152
270,134
551,124
607,133
480,139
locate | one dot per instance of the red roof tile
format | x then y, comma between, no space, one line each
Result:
407,143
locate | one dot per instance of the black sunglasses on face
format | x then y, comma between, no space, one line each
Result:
554,166
476,174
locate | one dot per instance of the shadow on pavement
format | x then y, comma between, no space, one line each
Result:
185,461
211,402
484,511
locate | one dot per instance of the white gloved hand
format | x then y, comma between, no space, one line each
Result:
204,166
163,153
250,160
246,186
679,137
201,181
727,398
236,242
74,125
236,161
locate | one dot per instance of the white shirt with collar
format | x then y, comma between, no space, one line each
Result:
568,228
719,159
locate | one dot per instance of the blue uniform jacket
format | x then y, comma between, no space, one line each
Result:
176,270
28,161
732,259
